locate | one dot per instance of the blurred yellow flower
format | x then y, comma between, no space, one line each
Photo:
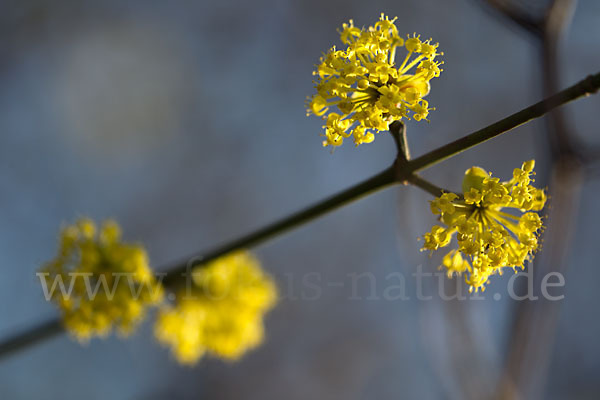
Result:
488,236
104,284
223,313
369,90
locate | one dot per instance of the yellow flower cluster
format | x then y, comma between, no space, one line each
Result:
487,235
367,87
106,283
223,313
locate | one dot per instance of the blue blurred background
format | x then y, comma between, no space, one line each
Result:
186,122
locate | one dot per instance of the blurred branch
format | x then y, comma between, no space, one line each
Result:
531,341
558,17
30,337
402,171
534,325
514,14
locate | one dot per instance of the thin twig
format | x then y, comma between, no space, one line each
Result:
376,183
585,87
399,172
180,271
427,186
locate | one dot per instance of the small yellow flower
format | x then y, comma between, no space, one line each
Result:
487,235
223,314
108,283
367,86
